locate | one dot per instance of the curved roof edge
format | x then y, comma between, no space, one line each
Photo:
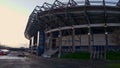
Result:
57,4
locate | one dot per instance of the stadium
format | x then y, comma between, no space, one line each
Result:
73,26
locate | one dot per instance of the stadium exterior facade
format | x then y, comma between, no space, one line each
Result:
73,27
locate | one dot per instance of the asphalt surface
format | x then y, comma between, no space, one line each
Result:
13,61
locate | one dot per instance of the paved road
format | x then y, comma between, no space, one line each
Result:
12,61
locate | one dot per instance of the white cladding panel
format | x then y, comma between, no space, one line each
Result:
99,39
84,40
77,40
109,40
57,42
67,41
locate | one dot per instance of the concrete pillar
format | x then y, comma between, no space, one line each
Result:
38,38
38,41
30,45
60,43
32,39
73,40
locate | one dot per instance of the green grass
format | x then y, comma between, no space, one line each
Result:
113,65
86,55
113,56
78,55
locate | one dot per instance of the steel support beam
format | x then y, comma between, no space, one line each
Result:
57,4
118,4
71,3
90,38
50,41
105,27
73,40
87,2
46,6
83,26
60,43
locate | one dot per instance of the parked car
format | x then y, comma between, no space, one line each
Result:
1,53
4,51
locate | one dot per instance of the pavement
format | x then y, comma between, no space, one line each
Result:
32,61
67,63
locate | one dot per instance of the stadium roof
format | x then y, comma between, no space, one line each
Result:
50,16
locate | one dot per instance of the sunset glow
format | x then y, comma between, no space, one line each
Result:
13,20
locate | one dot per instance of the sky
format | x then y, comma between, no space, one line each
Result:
13,19
14,15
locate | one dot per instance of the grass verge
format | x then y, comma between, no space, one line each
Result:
113,65
113,56
86,55
77,55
